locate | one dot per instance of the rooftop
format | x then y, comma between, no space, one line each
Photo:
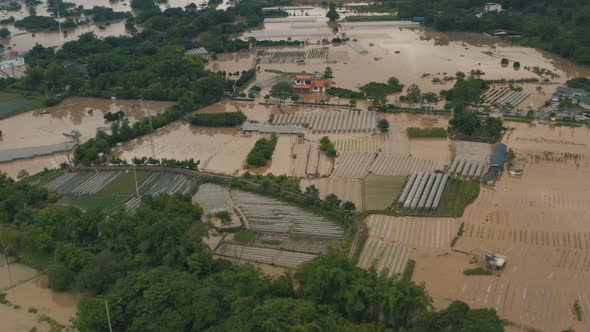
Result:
266,128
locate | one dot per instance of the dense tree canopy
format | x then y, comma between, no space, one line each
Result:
156,274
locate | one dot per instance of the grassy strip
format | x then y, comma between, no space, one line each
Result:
578,310
478,271
459,233
409,270
371,18
414,132
102,202
262,151
272,242
244,235
517,119
226,119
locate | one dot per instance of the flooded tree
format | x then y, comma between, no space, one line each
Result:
282,91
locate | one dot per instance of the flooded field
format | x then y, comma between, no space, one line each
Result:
22,40
85,115
27,290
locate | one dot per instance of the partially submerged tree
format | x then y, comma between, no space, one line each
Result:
282,91
383,125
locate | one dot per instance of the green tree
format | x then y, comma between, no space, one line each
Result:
383,125
328,73
282,91
332,14
414,94
60,277
4,33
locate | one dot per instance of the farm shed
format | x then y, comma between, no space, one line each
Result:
249,128
496,163
499,156
357,47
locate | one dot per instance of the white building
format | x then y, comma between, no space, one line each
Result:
490,7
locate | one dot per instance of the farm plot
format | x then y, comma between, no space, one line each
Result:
268,256
125,183
34,165
353,165
211,197
316,162
423,191
380,191
400,165
389,142
266,214
218,150
318,53
95,183
160,183
101,202
384,256
10,104
331,121
537,308
472,150
504,97
169,183
346,189
281,57
467,169
413,231
66,183
83,183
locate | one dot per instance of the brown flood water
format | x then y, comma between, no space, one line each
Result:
30,291
414,56
48,125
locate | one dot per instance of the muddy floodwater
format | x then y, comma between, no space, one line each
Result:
26,291
48,125
413,55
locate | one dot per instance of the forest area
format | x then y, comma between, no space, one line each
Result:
559,26
156,273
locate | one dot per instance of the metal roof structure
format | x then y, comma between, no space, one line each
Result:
196,51
285,33
273,129
499,156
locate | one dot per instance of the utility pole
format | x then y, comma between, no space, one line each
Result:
61,38
108,316
135,176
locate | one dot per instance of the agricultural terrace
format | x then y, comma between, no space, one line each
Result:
274,257
211,198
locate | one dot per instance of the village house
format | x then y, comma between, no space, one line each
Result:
492,7
308,84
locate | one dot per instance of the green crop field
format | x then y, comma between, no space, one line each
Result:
11,104
125,184
457,195
381,191
103,202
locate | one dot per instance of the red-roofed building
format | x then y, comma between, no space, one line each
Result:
306,83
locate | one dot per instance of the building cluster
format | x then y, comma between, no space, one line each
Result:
577,96
309,84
